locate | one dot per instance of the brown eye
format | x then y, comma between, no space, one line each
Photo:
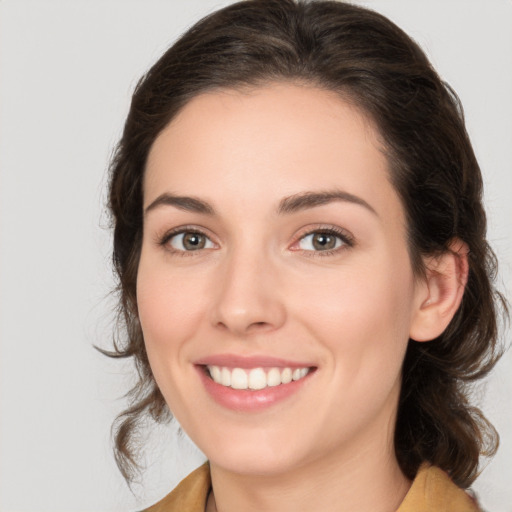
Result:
321,241
193,241
190,241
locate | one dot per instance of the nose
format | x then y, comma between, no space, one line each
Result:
248,298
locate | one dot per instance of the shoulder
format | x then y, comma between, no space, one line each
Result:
433,490
190,494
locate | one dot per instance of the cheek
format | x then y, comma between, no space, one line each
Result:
361,315
169,310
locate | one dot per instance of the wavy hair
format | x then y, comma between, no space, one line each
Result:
372,63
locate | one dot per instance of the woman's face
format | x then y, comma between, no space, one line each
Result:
275,248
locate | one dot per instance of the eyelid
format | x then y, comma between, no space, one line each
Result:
163,240
345,236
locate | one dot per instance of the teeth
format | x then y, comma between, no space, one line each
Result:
299,373
273,377
257,378
239,378
225,377
216,373
286,376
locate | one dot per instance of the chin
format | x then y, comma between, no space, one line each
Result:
254,462
258,451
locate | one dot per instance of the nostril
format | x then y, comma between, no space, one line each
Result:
258,326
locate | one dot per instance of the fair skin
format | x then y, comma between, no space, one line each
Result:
291,245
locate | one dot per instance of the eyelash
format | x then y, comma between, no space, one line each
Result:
167,237
346,239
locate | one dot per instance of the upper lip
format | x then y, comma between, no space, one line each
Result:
256,361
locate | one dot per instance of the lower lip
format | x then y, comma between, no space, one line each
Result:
247,400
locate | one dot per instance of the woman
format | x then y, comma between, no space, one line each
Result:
304,276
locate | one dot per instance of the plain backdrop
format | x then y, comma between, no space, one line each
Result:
67,69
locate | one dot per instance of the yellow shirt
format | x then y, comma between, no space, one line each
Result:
431,491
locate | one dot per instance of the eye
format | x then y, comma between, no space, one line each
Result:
324,240
189,241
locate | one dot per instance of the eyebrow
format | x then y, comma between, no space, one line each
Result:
189,204
305,200
297,202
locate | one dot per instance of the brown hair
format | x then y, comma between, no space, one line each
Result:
371,62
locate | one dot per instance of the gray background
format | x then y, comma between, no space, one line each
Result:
67,69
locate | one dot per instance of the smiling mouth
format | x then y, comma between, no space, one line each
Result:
256,378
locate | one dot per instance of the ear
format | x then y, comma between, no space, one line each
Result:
439,294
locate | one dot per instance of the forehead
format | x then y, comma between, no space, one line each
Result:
268,142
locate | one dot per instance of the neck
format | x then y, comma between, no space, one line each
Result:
368,479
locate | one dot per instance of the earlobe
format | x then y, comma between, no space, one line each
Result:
440,293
